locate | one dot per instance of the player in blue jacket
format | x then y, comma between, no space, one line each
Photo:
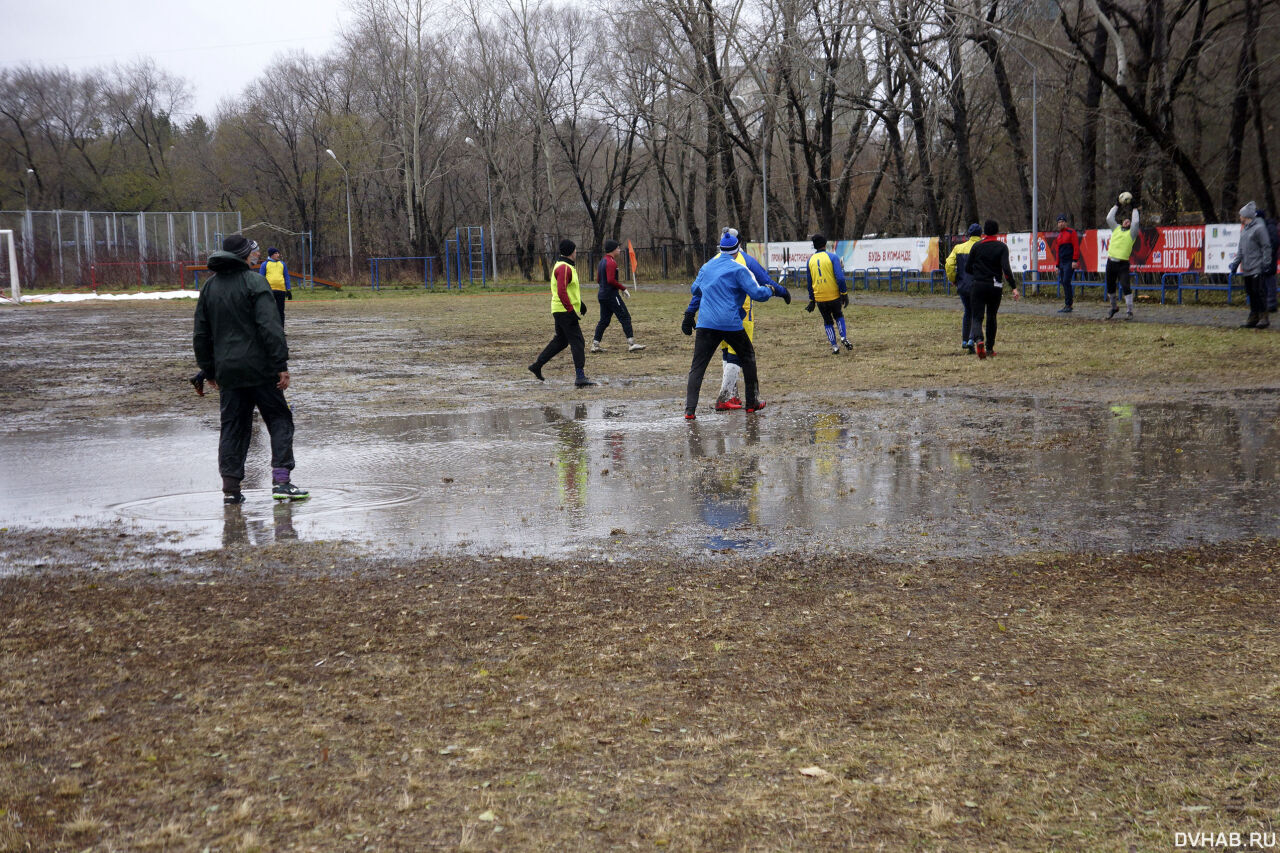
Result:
719,290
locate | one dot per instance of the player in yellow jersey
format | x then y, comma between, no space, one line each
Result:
827,292
276,272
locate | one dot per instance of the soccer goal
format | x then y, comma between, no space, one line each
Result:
15,290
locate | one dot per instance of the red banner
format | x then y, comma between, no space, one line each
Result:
1158,250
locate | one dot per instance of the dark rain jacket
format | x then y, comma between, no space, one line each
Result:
239,340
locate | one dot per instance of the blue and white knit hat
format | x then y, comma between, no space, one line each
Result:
729,240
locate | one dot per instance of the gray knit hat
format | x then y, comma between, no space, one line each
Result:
1249,211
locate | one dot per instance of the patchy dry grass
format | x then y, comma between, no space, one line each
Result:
1036,703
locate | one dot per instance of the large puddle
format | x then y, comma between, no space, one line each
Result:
904,476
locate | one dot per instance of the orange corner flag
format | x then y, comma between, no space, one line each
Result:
631,255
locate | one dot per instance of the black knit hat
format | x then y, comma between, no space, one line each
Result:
567,248
238,245
610,245
819,241
991,228
975,230
272,251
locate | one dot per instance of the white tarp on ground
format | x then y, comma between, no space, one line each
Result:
85,297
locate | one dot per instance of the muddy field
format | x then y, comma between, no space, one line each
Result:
886,614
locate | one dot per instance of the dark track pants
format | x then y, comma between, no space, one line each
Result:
1066,275
280,298
966,320
1257,293
1269,285
568,334
705,343
986,300
609,307
237,405
1118,272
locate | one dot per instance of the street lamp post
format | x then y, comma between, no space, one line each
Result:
28,254
764,176
351,252
493,247
1035,168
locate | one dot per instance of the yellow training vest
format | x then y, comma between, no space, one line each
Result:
575,296
1121,245
822,276
275,275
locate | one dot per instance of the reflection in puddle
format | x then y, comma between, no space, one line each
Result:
903,475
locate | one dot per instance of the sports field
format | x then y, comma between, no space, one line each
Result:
598,677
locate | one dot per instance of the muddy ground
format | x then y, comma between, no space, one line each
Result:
320,696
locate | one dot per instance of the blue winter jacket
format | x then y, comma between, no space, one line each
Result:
722,286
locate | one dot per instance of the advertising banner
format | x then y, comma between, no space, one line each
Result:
785,255
1158,249
917,254
1220,245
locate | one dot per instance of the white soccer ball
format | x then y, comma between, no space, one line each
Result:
1126,197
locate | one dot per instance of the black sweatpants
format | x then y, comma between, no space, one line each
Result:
568,334
609,306
1256,292
705,343
280,298
986,300
1118,271
237,405
830,311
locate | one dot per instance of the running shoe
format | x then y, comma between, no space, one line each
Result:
289,492
982,349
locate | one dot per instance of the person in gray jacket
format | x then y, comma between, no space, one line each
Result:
1251,261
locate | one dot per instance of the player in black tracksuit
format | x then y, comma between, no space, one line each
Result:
987,266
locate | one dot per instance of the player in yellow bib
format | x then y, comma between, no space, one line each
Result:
1124,236
827,292
276,272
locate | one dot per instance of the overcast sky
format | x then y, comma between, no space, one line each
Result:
218,47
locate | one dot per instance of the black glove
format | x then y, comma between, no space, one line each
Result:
844,300
811,306
779,290
288,294
686,325
583,309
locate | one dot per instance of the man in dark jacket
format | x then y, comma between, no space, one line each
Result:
1270,226
240,346
987,266
610,295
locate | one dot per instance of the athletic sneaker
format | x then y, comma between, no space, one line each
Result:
289,492
729,405
689,416
536,370
981,348
634,347
583,382
231,498
1066,309
197,382
755,407
835,350
1128,315
1115,309
846,343
595,347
